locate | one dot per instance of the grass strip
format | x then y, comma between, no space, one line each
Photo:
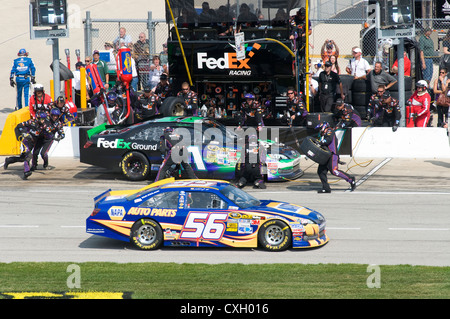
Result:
237,281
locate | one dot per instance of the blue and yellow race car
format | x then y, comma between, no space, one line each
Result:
203,213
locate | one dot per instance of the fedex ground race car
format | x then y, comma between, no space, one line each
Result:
203,213
214,149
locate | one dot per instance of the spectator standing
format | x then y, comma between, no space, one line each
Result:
328,49
142,58
76,83
440,89
135,81
313,89
102,68
426,46
156,69
358,66
109,46
334,64
328,82
23,69
122,38
377,76
407,65
164,57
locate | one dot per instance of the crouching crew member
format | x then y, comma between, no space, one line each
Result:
248,168
147,104
172,148
345,115
387,112
327,138
190,99
250,108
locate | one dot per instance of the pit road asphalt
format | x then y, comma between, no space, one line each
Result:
398,214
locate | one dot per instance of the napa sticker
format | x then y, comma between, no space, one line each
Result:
116,212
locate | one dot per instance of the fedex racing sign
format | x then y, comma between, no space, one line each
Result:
229,62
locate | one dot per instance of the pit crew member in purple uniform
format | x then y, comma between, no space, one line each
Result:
190,99
328,139
345,115
27,133
171,147
53,132
387,112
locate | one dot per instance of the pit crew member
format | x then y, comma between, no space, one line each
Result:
327,138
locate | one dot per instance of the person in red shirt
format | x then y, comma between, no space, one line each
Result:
39,101
407,65
419,104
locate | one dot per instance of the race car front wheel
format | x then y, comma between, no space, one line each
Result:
275,235
135,166
146,234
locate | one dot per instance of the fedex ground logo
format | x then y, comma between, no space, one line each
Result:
120,143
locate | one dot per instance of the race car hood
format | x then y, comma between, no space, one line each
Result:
288,211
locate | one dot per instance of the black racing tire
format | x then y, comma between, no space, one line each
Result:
313,119
360,86
146,234
135,166
274,235
173,106
314,151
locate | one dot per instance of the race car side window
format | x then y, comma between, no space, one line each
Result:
162,200
151,133
204,200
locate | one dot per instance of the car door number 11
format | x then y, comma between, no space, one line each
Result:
209,226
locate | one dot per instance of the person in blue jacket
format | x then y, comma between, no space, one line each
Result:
24,71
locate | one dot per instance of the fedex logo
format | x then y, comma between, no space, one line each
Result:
229,61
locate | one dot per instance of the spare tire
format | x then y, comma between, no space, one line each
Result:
313,119
173,106
314,151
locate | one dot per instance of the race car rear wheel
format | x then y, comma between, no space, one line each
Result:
135,166
146,234
275,235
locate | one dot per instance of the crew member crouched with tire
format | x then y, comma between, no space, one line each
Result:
171,147
327,138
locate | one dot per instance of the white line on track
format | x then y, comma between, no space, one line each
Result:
421,229
373,171
19,226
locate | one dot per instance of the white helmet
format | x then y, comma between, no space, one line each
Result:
422,84
38,87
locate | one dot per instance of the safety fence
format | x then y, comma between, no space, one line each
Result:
348,33
145,37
